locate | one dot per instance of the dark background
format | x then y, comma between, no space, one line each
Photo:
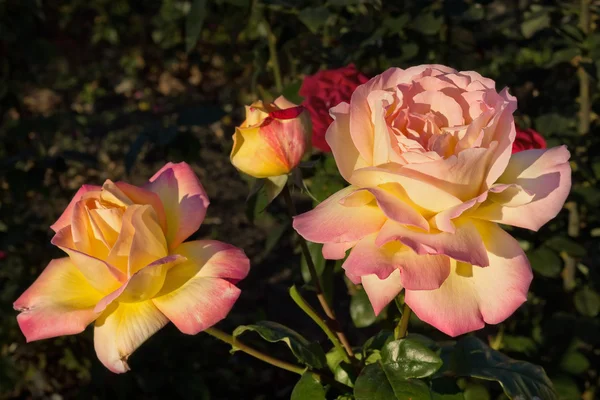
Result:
97,89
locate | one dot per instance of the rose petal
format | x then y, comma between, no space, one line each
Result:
443,220
122,328
394,203
366,258
212,259
142,196
338,138
65,218
465,244
199,304
333,222
141,240
360,112
423,193
417,272
336,251
103,276
255,157
463,176
148,242
143,285
60,302
382,291
184,200
545,174
86,234
473,296
200,292
503,132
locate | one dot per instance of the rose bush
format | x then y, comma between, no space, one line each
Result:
427,153
128,269
527,139
324,90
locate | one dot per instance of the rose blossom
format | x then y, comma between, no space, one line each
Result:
272,139
427,153
527,139
128,270
324,90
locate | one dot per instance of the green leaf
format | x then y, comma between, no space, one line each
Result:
589,194
406,358
314,18
550,124
519,379
342,371
476,391
378,341
391,377
273,237
290,92
306,352
521,344
545,262
446,388
566,388
593,45
308,388
327,179
574,33
274,185
374,384
574,362
262,193
427,24
587,302
340,3
361,310
193,23
561,243
447,396
396,25
563,55
535,24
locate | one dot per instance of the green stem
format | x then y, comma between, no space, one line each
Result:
332,321
299,300
227,338
272,41
400,331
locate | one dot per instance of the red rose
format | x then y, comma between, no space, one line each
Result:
324,90
528,139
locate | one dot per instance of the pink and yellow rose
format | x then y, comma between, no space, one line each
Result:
427,154
272,139
128,269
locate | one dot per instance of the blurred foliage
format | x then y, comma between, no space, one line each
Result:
100,89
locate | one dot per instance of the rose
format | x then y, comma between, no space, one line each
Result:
324,90
129,270
272,139
427,152
528,139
